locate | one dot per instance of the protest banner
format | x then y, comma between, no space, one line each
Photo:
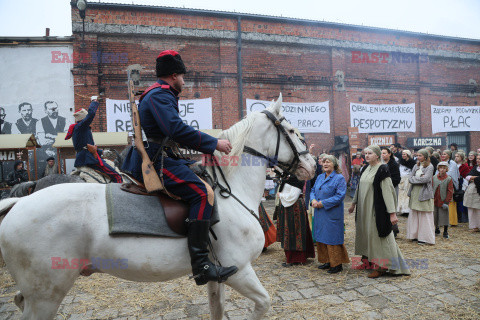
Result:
308,117
377,118
196,113
455,118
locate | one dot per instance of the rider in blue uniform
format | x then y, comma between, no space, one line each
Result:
81,134
160,119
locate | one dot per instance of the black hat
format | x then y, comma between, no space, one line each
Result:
169,62
50,158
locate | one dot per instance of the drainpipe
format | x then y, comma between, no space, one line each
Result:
239,66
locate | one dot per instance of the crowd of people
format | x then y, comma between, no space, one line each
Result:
434,188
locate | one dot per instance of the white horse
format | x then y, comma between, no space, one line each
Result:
70,221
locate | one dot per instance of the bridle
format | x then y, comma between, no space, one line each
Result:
287,168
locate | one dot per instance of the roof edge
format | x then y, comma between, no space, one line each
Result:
270,18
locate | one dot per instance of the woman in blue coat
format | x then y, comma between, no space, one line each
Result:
327,198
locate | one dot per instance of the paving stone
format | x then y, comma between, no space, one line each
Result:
290,295
475,267
349,295
397,297
449,298
175,314
359,306
330,298
368,291
467,282
376,301
311,292
385,287
371,315
304,284
467,272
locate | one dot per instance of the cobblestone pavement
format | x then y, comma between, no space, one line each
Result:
447,287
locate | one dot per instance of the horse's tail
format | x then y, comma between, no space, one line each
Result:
7,204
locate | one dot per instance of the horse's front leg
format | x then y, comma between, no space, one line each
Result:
216,299
246,282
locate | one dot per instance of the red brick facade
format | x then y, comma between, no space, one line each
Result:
301,59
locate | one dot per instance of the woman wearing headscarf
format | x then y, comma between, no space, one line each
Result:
327,198
455,174
472,159
434,161
293,230
375,200
421,224
406,165
472,197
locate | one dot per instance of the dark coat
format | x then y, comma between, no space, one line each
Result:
6,127
410,163
434,162
159,117
82,135
475,173
48,127
17,176
382,217
394,172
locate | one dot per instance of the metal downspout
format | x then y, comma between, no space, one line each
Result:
239,66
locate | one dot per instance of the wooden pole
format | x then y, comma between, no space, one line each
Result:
59,164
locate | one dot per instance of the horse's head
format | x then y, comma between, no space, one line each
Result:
282,143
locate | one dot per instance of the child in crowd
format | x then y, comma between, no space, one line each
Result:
443,191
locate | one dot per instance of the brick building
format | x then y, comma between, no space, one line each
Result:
232,57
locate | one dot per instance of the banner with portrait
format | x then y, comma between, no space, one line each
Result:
37,97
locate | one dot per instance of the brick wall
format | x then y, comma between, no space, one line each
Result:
298,58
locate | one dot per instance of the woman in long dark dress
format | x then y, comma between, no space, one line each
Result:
293,230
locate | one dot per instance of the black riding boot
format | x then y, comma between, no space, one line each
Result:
203,269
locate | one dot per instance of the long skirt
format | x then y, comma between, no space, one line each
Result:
473,218
293,232
333,254
403,198
452,213
267,225
462,212
421,226
440,216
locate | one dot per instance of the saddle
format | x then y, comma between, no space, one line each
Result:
176,211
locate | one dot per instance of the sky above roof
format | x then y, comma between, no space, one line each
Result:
459,18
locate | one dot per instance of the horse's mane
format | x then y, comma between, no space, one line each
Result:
237,135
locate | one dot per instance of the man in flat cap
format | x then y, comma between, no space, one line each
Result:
160,119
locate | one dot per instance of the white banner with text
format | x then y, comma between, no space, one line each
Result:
196,113
454,119
378,118
308,117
